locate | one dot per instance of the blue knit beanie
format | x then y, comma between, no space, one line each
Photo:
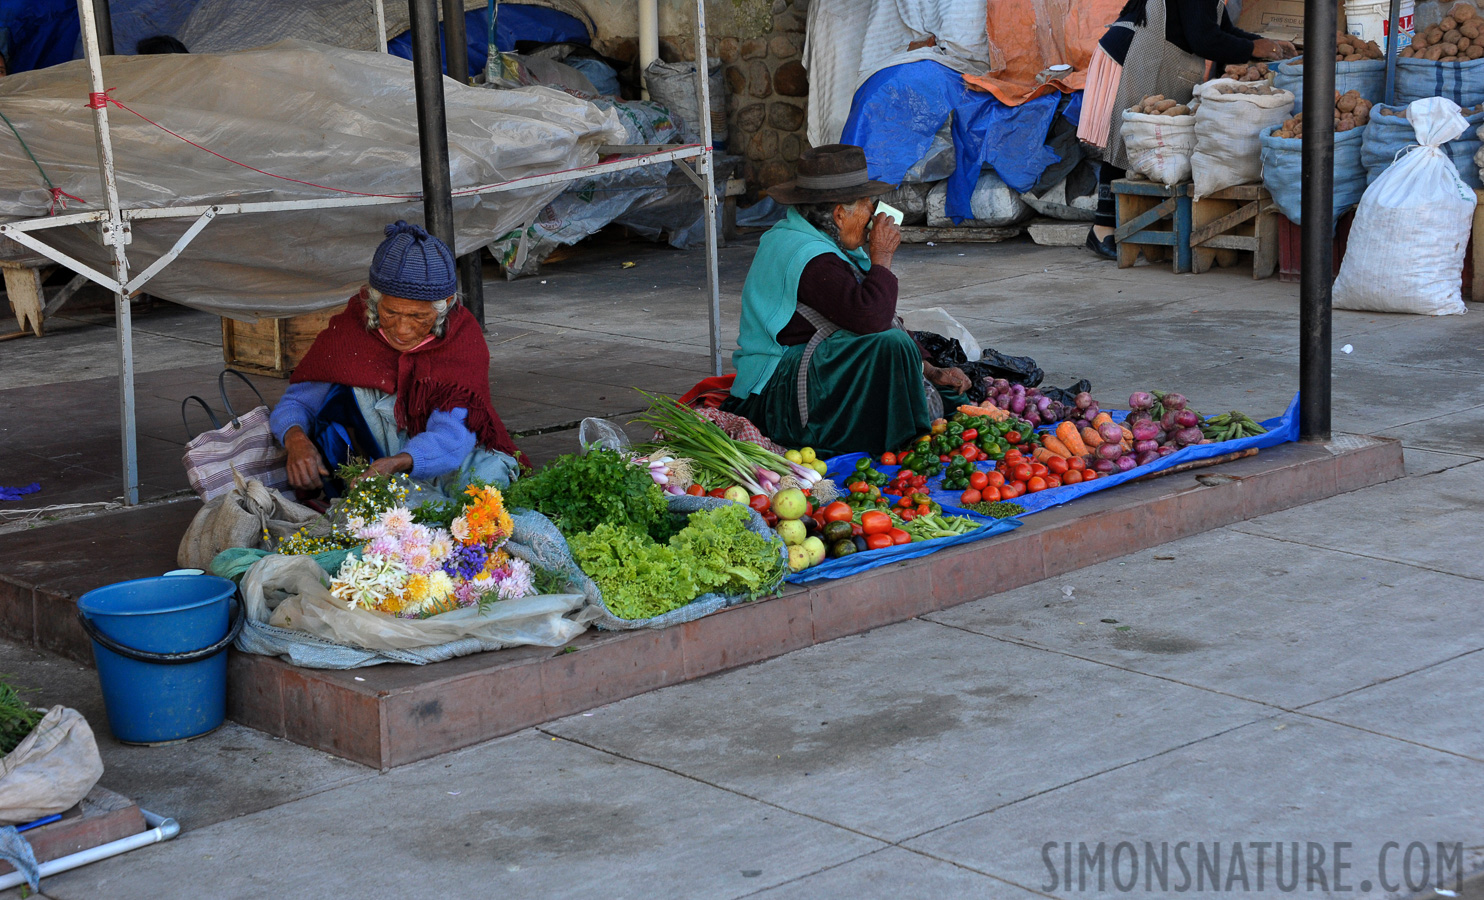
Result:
413,264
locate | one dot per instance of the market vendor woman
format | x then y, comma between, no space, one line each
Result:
401,378
821,358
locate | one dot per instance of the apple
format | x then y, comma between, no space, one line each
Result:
798,558
790,504
737,495
792,531
815,546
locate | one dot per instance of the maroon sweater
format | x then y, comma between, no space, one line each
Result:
828,286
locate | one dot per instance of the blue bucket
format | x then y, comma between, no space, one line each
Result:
160,645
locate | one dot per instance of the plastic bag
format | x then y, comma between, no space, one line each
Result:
1387,136
673,86
248,515
937,320
994,204
602,433
1407,244
51,769
1159,147
1228,150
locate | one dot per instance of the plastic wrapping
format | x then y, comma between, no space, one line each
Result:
340,118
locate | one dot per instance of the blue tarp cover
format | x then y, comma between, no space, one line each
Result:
41,32
516,23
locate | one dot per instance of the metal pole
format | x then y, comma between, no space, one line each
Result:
380,25
432,122
1392,46
456,49
705,169
115,232
103,19
1317,277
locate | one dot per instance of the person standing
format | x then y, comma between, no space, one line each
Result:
1155,47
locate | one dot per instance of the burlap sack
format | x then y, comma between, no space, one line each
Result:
249,515
51,770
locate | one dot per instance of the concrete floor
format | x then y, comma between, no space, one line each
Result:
1307,676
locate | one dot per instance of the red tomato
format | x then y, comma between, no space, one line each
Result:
696,490
1057,466
1037,483
924,509
759,502
856,530
1073,476
990,494
1038,469
968,497
1077,463
1013,456
839,511
1012,489
905,503
718,493
888,459
970,434
770,517
979,480
898,536
875,522
879,541
1012,437
908,514
1021,472
1053,481
860,487
1089,475
996,478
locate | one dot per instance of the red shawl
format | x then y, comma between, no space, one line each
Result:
447,372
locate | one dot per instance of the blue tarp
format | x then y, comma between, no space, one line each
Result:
516,23
41,33
896,113
871,559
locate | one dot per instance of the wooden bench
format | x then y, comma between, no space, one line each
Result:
1160,220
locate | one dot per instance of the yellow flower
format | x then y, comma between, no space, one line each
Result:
418,589
440,586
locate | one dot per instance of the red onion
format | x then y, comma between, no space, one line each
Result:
1105,466
1125,463
1110,432
1188,436
1167,421
1161,436
1174,401
1145,431
1187,418
1136,417
1166,450
1084,400
1110,450
1140,400
1143,447
1148,457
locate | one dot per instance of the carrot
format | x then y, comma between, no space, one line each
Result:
1101,419
1066,432
1043,455
1128,436
993,412
1091,438
1054,444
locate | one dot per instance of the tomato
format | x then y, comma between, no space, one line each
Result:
898,536
969,497
1021,472
1037,483
718,493
908,514
990,494
1057,466
996,478
970,434
875,522
1013,456
1089,475
696,490
839,511
770,517
1012,437
856,530
860,487
924,509
1077,463
1053,481
1038,469
1012,490
979,480
759,502
879,541
1073,476
905,503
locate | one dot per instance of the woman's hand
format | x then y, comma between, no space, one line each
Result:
954,379
885,238
1263,48
305,467
388,465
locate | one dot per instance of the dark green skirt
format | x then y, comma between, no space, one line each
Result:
865,394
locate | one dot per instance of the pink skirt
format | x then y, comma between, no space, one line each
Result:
1098,95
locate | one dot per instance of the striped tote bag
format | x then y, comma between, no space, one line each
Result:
244,445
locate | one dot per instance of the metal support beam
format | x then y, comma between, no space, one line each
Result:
432,121
380,25
706,170
1317,278
456,48
103,18
1392,46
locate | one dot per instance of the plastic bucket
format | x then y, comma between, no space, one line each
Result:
1371,20
160,645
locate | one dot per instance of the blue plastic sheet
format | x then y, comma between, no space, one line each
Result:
1461,82
516,22
1282,171
16,493
897,112
871,559
41,33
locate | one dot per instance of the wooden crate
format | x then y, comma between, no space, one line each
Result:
1153,219
1233,221
272,346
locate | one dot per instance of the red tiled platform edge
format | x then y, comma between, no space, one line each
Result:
101,818
399,714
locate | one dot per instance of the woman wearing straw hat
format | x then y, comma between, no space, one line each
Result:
821,359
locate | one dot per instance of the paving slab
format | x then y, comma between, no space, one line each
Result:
1431,522
893,874
1283,779
1421,707
526,816
960,725
1428,462
1300,626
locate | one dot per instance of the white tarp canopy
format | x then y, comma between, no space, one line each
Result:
339,118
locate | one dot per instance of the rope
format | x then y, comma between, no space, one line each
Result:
59,196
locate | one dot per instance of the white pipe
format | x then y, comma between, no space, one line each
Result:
649,38
380,25
163,830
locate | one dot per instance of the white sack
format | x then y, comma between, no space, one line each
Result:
1228,149
1159,147
51,769
1405,251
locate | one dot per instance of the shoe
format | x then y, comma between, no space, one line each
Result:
1104,248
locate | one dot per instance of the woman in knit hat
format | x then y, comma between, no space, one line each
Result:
401,378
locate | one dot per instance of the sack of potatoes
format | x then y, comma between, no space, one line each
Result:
1160,105
1352,111
1246,72
1455,39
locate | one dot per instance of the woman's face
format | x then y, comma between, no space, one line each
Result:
854,219
406,322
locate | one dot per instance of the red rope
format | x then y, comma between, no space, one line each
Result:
100,100
60,198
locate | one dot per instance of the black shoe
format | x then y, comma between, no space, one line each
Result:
1104,248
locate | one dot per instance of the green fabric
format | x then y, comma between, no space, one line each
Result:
771,293
234,562
865,394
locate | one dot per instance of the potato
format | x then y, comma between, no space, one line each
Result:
1434,53
1419,42
1448,23
1463,44
1475,51
1449,49
1434,35
1451,36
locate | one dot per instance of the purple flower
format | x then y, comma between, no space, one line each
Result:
466,562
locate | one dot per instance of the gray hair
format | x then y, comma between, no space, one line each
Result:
373,311
822,216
